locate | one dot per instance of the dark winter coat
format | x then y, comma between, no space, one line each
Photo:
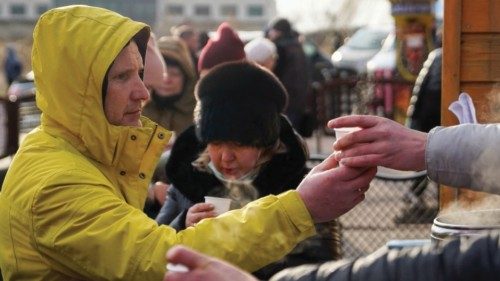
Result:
291,69
459,260
425,109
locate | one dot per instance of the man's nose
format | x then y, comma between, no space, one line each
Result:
141,91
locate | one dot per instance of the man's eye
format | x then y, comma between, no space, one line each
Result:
122,76
141,73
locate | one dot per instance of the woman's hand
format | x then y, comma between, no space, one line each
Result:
199,211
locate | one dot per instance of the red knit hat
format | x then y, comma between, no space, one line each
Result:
224,47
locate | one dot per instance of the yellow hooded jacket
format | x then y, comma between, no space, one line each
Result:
71,204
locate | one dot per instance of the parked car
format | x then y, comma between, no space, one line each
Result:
360,48
388,91
385,59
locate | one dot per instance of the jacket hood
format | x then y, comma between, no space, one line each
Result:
284,171
173,48
70,68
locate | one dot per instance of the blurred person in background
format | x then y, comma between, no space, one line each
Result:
241,148
291,69
172,105
262,51
155,81
424,113
71,206
12,66
225,46
189,35
202,41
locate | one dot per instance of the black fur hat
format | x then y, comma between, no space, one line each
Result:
239,102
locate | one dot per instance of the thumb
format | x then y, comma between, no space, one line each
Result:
188,257
327,164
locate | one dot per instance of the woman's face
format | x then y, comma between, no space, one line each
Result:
175,80
233,160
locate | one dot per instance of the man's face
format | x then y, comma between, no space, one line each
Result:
126,93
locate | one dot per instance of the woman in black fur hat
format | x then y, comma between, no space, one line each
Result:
241,147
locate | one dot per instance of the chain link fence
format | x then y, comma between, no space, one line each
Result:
387,214
398,205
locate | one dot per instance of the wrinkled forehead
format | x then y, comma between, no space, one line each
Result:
129,53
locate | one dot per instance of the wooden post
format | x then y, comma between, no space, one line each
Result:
450,77
471,59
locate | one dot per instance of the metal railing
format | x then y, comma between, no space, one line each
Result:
343,92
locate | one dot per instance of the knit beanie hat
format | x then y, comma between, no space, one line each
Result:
239,102
223,47
260,50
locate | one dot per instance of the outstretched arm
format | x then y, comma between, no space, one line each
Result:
381,142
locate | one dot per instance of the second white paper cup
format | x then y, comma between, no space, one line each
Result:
176,267
221,204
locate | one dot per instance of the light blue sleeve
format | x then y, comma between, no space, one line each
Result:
465,155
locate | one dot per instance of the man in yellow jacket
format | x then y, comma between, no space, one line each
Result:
71,204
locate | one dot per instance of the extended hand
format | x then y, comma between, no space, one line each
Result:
381,142
330,190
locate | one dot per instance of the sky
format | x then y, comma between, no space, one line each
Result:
309,15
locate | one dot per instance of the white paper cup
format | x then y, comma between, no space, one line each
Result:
176,267
341,132
221,204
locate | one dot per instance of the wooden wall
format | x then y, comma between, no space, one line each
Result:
471,63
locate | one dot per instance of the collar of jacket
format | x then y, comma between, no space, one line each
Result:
132,147
134,158
282,172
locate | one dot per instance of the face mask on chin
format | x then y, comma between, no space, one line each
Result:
249,177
